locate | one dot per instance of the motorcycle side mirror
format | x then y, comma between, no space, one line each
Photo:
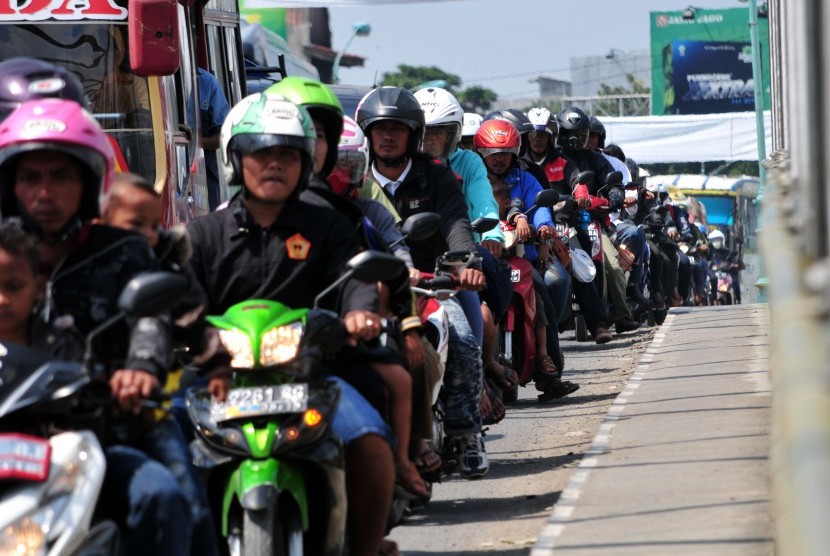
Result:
422,225
547,198
374,266
367,266
586,177
614,178
481,225
153,37
152,293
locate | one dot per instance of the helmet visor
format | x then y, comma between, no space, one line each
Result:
485,152
351,166
573,138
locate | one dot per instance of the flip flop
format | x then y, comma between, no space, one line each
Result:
407,487
506,379
422,461
557,390
497,410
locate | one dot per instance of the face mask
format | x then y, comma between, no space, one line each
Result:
631,194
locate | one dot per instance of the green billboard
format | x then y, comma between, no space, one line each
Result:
265,14
701,61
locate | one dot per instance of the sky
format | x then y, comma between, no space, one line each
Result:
499,44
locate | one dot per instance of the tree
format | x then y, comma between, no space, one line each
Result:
476,99
411,77
472,99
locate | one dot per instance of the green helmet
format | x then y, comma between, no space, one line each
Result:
265,120
322,104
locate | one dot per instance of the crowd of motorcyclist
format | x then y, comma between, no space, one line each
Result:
317,186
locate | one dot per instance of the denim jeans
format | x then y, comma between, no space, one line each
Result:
684,274
356,417
146,501
700,271
463,376
558,282
551,314
166,444
471,305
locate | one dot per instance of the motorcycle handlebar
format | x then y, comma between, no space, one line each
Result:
438,282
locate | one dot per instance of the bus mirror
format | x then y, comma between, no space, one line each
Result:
153,36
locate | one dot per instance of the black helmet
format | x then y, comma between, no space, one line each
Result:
574,128
23,79
516,117
633,169
392,103
599,129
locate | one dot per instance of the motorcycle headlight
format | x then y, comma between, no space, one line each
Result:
280,344
239,346
33,533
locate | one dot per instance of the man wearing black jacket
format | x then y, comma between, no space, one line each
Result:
393,121
50,180
275,242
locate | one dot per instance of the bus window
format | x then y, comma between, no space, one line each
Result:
97,53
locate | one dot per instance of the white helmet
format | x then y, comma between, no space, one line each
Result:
352,159
441,108
542,120
472,122
717,239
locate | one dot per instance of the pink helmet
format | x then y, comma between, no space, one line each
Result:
352,159
62,126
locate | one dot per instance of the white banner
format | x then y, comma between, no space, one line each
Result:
695,138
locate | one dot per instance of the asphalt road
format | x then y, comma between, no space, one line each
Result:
532,454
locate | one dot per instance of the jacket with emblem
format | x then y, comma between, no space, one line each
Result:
291,261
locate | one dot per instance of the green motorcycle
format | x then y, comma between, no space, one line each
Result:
275,466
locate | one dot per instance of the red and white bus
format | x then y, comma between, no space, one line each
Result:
137,61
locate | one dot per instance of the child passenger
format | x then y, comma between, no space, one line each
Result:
21,289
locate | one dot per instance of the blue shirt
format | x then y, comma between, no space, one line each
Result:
213,109
213,106
523,190
476,188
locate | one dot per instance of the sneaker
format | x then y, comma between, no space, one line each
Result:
602,335
626,324
472,458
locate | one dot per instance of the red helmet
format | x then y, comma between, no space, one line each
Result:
497,136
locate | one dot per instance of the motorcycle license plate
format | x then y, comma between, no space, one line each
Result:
261,400
24,457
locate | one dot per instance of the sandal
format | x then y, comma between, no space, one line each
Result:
554,390
408,482
505,379
427,460
492,412
547,367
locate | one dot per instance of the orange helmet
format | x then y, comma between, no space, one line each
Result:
497,136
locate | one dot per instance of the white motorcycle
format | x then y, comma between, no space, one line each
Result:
52,465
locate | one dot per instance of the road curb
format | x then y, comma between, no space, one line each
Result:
566,504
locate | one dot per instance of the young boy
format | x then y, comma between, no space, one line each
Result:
21,289
133,204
